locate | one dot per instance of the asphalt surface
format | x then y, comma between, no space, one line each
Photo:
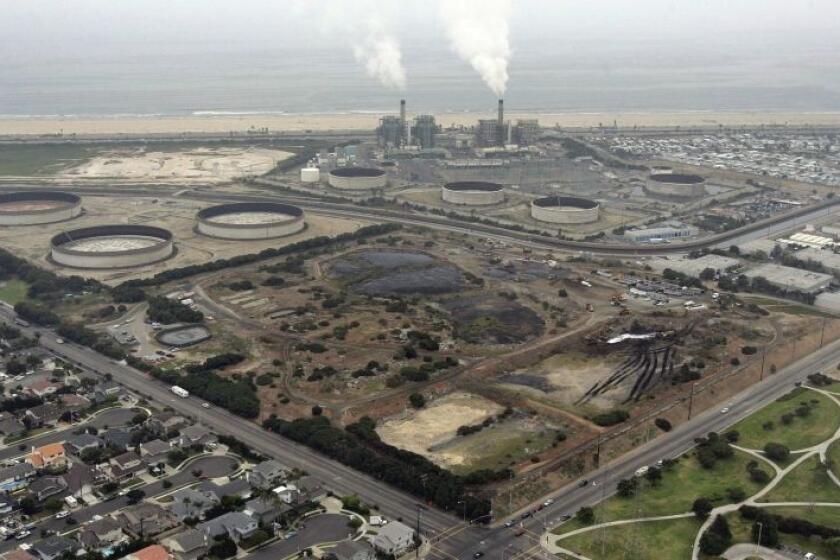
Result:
502,542
338,477
328,527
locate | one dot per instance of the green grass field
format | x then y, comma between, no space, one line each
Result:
819,425
807,482
680,486
654,540
833,456
12,291
42,160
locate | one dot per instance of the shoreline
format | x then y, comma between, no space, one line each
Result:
227,123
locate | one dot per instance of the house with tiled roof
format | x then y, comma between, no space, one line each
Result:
48,456
152,552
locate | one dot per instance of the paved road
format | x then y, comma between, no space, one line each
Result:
338,477
788,219
673,444
329,527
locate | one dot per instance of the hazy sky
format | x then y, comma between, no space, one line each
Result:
68,27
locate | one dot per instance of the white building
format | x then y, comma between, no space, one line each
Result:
394,539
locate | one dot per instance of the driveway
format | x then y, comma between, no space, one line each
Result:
324,528
744,551
213,466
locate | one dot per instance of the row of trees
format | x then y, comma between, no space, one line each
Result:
359,447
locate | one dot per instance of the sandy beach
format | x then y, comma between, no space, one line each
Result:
220,124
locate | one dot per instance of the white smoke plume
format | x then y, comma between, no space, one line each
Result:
479,33
381,55
362,25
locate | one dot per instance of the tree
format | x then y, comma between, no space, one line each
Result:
765,531
627,487
134,496
654,476
53,505
663,424
776,451
417,400
702,507
717,537
223,548
317,410
586,515
138,418
707,274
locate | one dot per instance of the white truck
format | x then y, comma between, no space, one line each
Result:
183,393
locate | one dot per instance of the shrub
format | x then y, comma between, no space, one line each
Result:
776,451
717,537
663,424
611,418
586,515
702,507
417,400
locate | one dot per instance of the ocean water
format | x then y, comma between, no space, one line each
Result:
544,77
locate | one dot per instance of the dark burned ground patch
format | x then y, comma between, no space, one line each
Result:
533,381
392,272
487,319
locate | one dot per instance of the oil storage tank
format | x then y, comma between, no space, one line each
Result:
675,185
112,246
565,210
472,193
250,220
357,178
28,208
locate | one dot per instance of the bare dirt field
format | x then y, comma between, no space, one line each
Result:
420,430
217,165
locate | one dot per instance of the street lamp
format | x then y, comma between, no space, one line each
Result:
758,542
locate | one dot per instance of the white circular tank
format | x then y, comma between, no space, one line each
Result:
310,175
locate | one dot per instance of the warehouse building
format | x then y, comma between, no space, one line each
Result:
791,279
829,259
663,234
693,267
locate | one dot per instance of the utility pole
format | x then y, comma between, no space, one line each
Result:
763,357
691,400
822,333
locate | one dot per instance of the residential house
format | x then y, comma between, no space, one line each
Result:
82,442
394,539
266,509
267,474
42,388
146,519
193,503
47,414
351,550
287,493
189,545
80,479
106,391
11,426
196,435
117,438
152,552
18,554
124,466
104,533
7,505
16,477
48,456
166,422
238,487
74,403
236,525
310,489
46,487
53,547
154,452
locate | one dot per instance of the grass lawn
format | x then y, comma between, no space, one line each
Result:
819,425
654,540
35,160
833,456
498,446
807,482
13,290
680,486
742,528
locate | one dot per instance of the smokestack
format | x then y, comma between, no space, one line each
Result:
402,119
501,124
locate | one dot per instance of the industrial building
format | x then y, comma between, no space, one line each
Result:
693,267
675,185
764,245
526,132
250,220
565,210
424,130
357,178
663,234
112,246
38,207
472,193
791,279
826,257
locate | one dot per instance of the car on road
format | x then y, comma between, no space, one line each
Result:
526,515
205,405
59,341
548,502
22,535
724,410
510,523
565,517
478,554
583,483
62,514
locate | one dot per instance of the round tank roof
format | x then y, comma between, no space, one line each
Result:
483,186
357,172
677,178
565,201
